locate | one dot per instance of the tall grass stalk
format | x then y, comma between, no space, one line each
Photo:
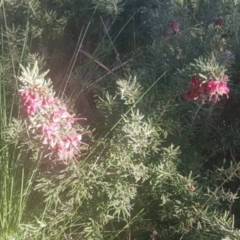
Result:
15,179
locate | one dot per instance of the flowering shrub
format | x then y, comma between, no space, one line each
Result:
47,120
210,90
159,168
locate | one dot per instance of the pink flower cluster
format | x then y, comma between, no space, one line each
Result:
51,120
33,100
210,90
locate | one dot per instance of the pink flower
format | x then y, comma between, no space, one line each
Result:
217,89
31,101
222,88
50,101
64,150
211,89
45,102
24,94
75,139
211,86
49,139
30,110
56,116
175,26
63,111
55,124
35,96
68,146
28,102
70,121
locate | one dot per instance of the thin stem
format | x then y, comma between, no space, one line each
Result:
195,116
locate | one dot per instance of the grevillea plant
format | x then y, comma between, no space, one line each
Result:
47,122
208,81
210,90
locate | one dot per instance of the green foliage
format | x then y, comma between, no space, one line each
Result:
16,171
129,90
155,162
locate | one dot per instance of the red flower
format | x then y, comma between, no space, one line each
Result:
210,90
219,22
191,95
196,81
